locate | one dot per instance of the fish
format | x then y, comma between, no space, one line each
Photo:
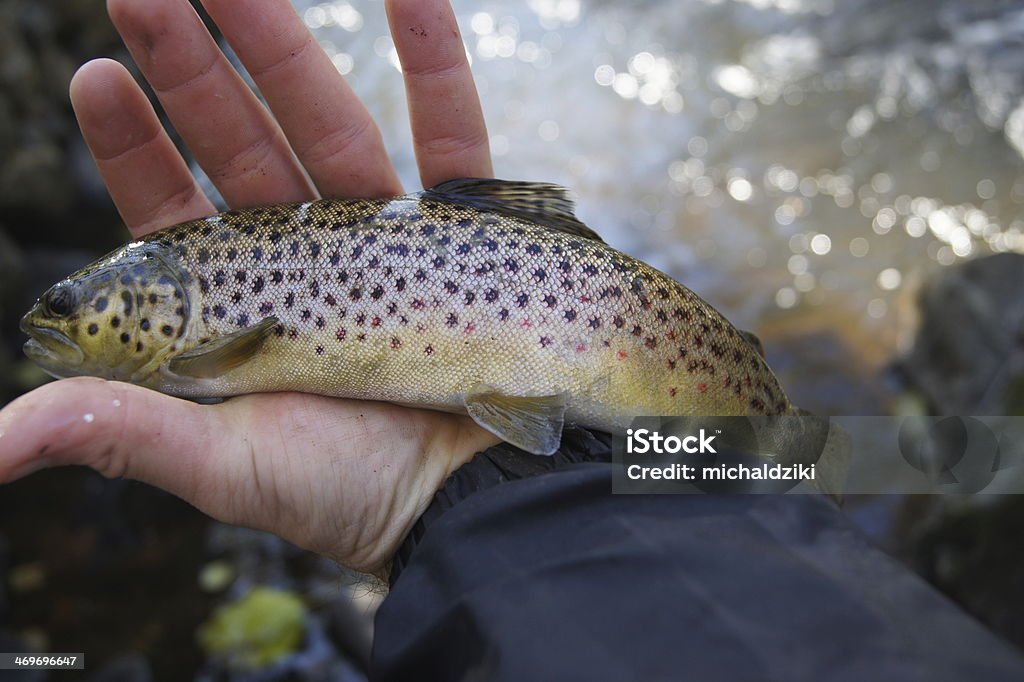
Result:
478,296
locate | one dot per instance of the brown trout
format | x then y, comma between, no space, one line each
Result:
486,297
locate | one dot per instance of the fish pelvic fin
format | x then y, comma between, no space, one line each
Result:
544,203
213,358
533,423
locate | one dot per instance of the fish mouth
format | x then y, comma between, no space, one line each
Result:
50,349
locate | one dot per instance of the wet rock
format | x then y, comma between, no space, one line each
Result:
130,667
968,355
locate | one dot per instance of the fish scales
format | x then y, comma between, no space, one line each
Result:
417,299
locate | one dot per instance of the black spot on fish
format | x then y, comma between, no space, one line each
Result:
330,300
452,320
534,249
335,258
232,254
144,325
357,251
257,254
377,292
203,256
374,262
451,287
319,350
429,350
400,284
503,314
93,329
637,330
420,276
565,266
662,317
314,288
511,265
570,315
361,319
545,342
276,277
219,278
590,269
240,276
522,299
243,320
167,330
126,298
540,274
266,308
115,322
618,321
101,303
306,314
439,262
470,297
491,295
594,322
125,337
236,297
396,343
219,312
289,300
341,334
355,293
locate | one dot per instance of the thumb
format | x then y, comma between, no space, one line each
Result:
115,428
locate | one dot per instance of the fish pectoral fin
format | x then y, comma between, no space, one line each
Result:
544,203
533,423
213,358
752,339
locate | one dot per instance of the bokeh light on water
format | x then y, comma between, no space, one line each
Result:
802,164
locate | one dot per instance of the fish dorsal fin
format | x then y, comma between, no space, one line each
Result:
752,339
213,358
541,202
533,423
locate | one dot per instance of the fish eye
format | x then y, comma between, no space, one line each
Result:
59,302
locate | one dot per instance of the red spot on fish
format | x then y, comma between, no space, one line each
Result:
580,347
375,322
702,387
584,299
672,391
470,328
622,355
525,324
670,335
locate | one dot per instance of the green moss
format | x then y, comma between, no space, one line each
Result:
255,631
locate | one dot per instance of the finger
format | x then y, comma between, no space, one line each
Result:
228,130
447,123
118,430
328,127
148,180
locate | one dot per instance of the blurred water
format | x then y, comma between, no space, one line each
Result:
802,164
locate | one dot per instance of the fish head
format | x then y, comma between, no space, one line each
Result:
116,318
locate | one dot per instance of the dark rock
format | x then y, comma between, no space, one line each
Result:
130,667
968,357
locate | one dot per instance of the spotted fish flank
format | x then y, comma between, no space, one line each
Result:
479,296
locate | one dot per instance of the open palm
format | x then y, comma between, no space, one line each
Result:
343,478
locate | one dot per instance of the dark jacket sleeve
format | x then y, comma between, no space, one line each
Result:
552,577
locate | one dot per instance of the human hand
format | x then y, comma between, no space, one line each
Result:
343,478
